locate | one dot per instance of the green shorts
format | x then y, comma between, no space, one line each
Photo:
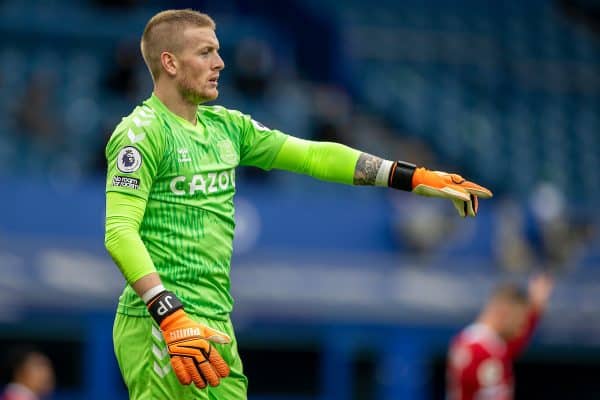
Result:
146,368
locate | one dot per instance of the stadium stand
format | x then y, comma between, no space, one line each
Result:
508,92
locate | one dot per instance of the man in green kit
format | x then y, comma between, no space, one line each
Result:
169,212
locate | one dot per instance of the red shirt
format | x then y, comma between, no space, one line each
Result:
480,362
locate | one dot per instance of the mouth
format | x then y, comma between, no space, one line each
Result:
214,80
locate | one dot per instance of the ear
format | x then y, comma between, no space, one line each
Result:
169,63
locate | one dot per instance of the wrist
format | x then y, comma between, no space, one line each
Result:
401,176
162,305
151,293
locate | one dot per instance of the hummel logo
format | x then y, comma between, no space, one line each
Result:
148,109
139,123
146,113
135,138
161,371
157,334
158,353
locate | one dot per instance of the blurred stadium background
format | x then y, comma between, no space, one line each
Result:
344,293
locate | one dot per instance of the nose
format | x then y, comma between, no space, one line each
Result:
219,64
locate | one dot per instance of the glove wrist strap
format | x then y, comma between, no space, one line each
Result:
401,175
163,305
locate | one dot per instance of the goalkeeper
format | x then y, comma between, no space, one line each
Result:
169,212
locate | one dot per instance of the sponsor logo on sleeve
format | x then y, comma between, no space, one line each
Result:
126,182
129,160
183,155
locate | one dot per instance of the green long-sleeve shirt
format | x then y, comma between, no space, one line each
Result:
169,195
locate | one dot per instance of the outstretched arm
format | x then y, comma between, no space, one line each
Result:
335,162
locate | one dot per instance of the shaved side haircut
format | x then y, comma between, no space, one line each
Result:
164,32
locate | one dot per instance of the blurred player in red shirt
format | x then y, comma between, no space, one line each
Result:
481,356
30,374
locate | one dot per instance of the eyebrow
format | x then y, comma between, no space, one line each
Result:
208,46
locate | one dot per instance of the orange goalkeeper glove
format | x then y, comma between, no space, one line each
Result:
193,358
464,194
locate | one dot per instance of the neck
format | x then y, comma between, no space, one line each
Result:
172,99
490,322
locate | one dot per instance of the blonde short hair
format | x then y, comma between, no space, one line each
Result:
163,32
511,293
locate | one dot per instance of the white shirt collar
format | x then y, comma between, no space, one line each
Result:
482,332
21,390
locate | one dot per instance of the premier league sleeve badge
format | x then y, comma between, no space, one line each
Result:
129,160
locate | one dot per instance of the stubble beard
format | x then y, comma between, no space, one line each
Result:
190,93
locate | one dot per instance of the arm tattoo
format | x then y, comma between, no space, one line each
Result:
366,169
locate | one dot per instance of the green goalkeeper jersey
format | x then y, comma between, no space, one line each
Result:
186,174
